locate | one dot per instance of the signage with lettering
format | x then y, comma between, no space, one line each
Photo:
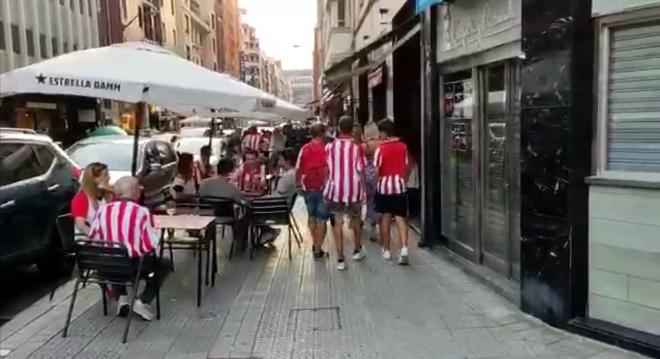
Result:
78,82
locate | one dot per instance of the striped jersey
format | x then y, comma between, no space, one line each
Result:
346,167
391,162
251,141
127,223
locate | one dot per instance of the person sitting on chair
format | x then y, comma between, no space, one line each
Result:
127,223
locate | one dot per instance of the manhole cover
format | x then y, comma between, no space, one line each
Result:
315,319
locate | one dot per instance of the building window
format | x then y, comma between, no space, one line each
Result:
30,42
174,36
82,7
53,42
215,66
71,3
172,6
187,21
163,31
3,46
89,7
628,110
124,11
75,47
341,13
140,19
65,47
213,21
62,2
188,52
42,46
15,41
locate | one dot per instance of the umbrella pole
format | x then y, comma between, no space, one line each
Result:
139,117
211,134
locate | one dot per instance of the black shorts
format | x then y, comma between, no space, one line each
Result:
395,204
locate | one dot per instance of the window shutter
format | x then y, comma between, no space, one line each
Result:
633,106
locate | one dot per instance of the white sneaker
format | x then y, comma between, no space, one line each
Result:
358,255
403,256
387,255
122,306
341,266
143,310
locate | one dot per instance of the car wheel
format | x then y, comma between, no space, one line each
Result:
55,263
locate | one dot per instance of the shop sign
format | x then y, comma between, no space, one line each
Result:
41,105
78,82
376,77
421,5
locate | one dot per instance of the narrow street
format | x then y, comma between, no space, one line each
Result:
276,308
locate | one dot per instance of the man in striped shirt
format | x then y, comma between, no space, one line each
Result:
344,188
391,162
251,139
127,223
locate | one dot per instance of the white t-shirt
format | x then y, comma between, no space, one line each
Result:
188,186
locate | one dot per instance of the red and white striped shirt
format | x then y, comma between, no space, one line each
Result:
346,168
251,141
127,223
391,162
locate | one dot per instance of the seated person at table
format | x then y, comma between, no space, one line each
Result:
250,176
286,185
126,222
220,186
185,184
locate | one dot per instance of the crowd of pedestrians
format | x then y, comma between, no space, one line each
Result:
340,176
348,180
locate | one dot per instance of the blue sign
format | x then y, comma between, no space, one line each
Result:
421,5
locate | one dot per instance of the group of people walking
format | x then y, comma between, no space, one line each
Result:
339,176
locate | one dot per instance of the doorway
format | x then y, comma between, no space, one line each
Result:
480,152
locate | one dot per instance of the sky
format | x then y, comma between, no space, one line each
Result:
285,29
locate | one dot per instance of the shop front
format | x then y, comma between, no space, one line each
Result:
66,119
480,131
624,191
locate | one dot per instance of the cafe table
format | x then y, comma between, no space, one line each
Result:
201,237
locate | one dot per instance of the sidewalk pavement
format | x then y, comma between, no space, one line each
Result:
275,308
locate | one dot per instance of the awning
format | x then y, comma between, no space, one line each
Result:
403,33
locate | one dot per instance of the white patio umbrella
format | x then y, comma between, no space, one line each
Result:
134,72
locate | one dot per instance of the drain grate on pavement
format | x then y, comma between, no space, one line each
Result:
314,319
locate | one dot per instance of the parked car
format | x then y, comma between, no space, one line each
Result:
156,161
37,182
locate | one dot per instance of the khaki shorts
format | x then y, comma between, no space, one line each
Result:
339,210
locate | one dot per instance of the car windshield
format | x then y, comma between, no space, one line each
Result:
193,145
117,156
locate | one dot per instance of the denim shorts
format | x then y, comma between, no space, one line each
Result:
316,207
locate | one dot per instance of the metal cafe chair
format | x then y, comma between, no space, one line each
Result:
267,211
64,226
226,215
107,263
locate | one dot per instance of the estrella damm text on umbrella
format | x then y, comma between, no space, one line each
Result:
82,83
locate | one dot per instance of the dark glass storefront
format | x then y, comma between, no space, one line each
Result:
480,194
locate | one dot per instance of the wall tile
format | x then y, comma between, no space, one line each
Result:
625,313
644,292
608,284
639,264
